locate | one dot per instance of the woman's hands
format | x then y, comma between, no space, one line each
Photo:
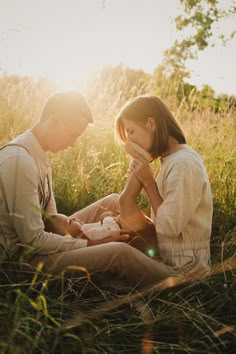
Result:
140,167
142,170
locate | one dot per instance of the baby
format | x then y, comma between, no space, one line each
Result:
70,226
131,220
109,225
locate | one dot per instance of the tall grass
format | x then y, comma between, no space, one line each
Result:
41,314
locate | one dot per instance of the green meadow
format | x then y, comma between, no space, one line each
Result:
42,314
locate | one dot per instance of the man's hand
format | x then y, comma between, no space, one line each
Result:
117,238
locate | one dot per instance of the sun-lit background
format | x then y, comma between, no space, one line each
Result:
63,43
66,40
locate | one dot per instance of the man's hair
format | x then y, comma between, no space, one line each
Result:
139,109
70,103
51,224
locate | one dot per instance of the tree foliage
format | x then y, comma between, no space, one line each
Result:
196,29
197,26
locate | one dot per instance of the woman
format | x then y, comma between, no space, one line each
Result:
179,193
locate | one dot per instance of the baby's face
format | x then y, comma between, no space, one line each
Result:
68,225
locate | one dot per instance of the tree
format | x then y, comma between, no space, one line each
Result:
196,27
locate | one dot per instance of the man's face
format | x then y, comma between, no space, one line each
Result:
65,132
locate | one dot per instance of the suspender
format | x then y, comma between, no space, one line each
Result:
13,144
45,200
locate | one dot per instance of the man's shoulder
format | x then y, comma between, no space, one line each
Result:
15,155
15,148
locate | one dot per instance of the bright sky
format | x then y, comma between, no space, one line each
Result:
68,39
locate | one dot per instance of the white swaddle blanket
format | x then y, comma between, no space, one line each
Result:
98,230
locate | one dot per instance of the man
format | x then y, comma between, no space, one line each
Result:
26,195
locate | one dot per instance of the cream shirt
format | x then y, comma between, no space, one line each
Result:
183,221
23,177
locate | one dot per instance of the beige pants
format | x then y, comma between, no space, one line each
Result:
116,261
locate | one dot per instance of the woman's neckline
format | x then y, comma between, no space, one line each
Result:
184,147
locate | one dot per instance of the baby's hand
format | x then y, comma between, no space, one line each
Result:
105,214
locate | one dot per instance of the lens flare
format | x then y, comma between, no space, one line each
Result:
151,252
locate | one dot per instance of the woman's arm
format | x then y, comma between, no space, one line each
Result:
153,195
184,185
141,168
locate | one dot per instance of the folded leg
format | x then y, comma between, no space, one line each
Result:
93,212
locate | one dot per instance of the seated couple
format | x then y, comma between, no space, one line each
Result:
179,194
130,220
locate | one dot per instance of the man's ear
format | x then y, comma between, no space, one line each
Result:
151,124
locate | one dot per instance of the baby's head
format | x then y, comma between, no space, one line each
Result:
62,225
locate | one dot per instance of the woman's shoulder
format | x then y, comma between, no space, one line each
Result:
184,159
185,154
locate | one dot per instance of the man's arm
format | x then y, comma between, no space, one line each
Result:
118,238
20,180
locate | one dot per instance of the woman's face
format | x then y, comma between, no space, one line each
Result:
142,135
